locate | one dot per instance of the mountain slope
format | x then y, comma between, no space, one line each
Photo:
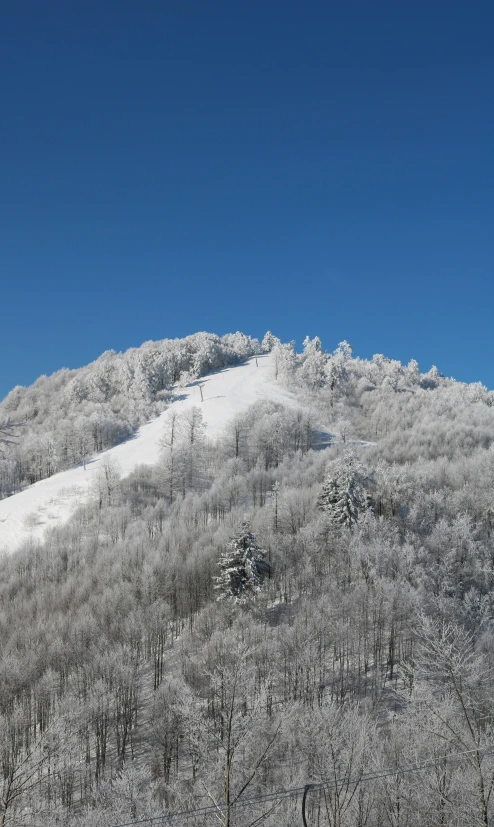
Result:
121,651
50,502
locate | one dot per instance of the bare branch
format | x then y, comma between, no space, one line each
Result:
7,437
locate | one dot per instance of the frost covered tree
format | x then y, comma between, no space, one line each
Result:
336,367
284,361
451,681
242,567
107,480
343,497
268,342
314,361
190,456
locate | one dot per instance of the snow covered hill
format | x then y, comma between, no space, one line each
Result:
50,502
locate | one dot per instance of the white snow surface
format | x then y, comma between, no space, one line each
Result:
31,513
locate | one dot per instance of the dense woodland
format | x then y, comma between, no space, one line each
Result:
214,632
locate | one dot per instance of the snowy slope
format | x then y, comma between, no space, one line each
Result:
50,502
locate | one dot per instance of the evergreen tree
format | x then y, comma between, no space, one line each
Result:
242,567
343,496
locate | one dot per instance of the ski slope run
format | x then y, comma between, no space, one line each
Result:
48,503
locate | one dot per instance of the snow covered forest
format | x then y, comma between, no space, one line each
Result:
256,611
74,413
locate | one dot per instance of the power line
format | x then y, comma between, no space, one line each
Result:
296,792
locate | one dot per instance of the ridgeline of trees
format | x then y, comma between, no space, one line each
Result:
158,655
73,414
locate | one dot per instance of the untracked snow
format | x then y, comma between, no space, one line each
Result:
50,502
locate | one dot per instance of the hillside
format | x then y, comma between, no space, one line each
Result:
222,612
73,414
47,503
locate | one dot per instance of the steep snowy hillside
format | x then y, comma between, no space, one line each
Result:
148,612
30,513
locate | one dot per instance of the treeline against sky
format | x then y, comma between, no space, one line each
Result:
73,414
128,690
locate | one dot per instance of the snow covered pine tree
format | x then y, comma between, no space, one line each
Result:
242,567
343,496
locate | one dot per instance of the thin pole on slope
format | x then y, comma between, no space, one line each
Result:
200,388
307,788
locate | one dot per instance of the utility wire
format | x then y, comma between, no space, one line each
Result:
296,792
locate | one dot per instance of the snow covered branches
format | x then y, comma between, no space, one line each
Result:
242,567
343,496
7,436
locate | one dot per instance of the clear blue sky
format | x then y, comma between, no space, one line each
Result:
169,166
